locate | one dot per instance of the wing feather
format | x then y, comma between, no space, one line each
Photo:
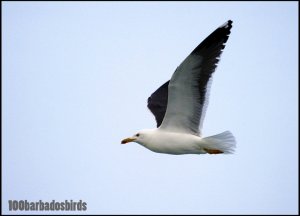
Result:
157,103
188,88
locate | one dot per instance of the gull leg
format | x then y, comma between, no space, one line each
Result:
213,151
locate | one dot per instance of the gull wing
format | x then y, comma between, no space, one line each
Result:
157,103
188,87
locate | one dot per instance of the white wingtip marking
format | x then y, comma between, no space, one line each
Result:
225,25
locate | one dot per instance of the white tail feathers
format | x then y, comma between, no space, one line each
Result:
224,142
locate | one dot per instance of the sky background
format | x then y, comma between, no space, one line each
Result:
75,80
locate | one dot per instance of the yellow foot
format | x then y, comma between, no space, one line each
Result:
213,151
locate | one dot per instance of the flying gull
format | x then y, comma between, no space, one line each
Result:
179,105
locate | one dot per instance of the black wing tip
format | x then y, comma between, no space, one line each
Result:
227,25
221,34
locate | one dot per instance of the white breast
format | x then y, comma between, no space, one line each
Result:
173,143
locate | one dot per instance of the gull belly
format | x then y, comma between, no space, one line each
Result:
173,143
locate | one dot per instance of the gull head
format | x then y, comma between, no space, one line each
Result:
140,137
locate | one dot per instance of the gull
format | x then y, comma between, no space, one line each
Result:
179,105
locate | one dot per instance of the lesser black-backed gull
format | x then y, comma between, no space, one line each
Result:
179,105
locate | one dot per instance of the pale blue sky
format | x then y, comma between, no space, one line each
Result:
75,80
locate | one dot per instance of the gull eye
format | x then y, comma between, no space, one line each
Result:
137,134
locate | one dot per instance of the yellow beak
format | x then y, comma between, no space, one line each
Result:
127,140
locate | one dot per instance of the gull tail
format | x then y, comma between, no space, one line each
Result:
220,143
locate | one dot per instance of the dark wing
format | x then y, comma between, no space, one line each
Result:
157,103
188,87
